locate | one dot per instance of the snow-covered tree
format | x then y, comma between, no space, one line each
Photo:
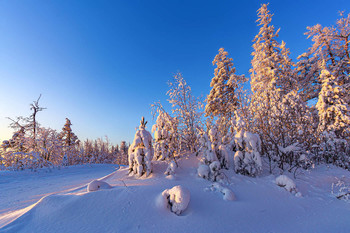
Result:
141,151
166,136
220,145
209,166
123,152
49,145
334,119
334,112
330,49
69,141
187,110
247,159
222,100
274,86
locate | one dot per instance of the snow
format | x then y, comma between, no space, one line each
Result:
178,198
58,201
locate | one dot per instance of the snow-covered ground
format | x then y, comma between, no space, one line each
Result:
136,204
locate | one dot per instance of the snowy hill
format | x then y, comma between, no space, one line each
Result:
135,204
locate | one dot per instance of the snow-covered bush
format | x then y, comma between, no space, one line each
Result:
177,199
228,195
220,146
205,149
96,185
215,173
287,183
341,190
171,168
247,159
203,171
209,166
141,151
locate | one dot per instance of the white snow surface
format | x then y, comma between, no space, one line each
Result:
58,201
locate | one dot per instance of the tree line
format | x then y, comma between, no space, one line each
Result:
296,114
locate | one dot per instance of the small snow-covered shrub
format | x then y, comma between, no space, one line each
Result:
96,185
65,160
228,195
171,168
209,166
205,148
177,199
341,190
247,159
287,183
141,151
215,173
203,171
220,146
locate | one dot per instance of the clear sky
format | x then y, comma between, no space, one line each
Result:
102,63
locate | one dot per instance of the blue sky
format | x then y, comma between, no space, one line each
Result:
102,63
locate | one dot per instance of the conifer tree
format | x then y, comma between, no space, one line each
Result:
222,100
69,141
272,79
334,121
334,112
330,48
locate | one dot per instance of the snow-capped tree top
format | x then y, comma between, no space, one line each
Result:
222,99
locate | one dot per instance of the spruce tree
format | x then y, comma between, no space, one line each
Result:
222,100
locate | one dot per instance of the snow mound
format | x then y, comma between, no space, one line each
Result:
96,185
178,198
287,183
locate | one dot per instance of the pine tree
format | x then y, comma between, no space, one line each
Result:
222,100
334,121
330,48
141,151
69,141
334,112
272,79
166,136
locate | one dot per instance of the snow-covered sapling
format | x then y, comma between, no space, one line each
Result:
171,168
165,136
288,184
209,166
203,171
247,159
228,195
141,151
177,199
215,173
